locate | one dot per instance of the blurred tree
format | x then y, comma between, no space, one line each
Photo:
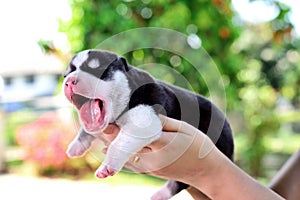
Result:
95,20
259,63
271,73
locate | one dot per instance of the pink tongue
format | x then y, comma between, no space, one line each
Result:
90,114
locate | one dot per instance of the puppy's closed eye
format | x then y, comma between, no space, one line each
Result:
71,68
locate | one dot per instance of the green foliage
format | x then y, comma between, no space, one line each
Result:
94,21
271,74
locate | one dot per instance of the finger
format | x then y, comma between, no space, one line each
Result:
174,125
146,149
111,132
111,129
164,139
170,124
104,150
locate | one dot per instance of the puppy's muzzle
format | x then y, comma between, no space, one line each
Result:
71,81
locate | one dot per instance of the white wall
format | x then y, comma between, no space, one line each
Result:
20,89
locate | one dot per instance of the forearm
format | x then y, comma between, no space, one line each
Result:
222,179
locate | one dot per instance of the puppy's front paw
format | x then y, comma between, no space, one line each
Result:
76,149
104,171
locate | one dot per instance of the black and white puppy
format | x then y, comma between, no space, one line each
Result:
105,89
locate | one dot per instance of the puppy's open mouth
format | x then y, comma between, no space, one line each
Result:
91,111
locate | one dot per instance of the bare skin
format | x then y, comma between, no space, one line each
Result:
199,164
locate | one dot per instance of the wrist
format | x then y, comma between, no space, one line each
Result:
209,179
220,178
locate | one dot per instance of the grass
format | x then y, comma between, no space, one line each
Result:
124,177
121,178
128,178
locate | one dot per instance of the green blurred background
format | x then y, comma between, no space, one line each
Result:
259,62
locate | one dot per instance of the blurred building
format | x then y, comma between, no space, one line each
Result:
29,80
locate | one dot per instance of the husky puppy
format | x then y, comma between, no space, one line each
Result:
105,89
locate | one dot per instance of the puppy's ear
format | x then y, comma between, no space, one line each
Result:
124,63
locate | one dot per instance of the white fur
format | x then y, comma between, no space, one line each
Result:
80,58
80,144
120,95
94,63
92,87
143,120
137,131
115,93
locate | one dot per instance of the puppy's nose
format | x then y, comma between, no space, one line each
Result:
73,80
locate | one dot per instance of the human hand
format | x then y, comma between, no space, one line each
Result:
175,155
185,154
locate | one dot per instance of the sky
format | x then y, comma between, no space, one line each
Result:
260,11
23,23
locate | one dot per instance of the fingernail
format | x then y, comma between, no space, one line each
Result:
104,150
